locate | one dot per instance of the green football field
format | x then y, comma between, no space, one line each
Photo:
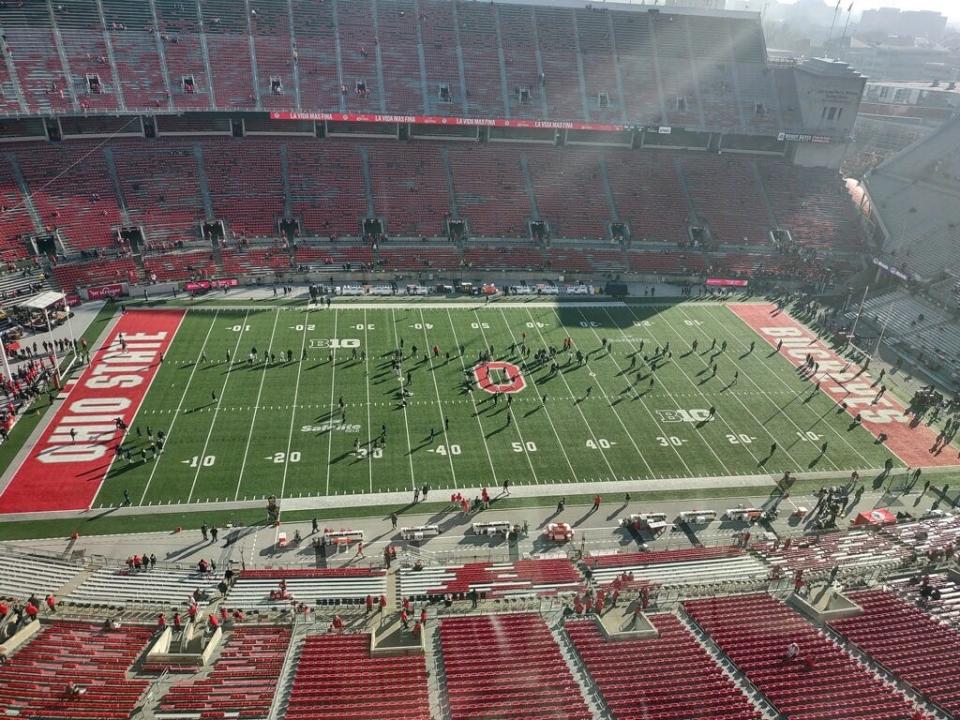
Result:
239,430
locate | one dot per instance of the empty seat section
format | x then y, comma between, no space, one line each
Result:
822,682
916,648
338,679
253,587
561,174
71,189
490,191
684,566
409,190
523,577
507,666
670,677
242,682
34,684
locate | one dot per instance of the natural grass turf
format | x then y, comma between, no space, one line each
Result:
238,431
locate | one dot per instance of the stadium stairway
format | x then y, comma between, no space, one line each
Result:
588,688
281,699
725,664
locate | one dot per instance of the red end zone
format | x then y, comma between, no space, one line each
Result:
888,416
65,473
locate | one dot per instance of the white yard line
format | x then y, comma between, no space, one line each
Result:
638,396
476,411
779,378
366,379
396,345
698,392
523,442
546,410
616,413
586,423
216,410
156,462
436,389
749,378
253,422
293,412
333,392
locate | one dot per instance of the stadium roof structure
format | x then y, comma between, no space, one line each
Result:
914,195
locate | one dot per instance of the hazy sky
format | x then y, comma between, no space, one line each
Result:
950,8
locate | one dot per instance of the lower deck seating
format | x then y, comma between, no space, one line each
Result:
928,536
34,683
166,587
670,677
674,567
253,587
97,272
180,266
822,682
242,682
507,667
916,648
21,575
541,577
338,679
816,553
946,608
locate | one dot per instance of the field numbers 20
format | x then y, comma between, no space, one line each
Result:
739,439
281,457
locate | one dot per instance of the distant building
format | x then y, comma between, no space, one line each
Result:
892,21
899,58
698,4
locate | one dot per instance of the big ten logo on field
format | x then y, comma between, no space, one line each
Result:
334,343
499,377
688,416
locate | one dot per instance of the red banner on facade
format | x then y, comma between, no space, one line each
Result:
106,291
724,282
450,121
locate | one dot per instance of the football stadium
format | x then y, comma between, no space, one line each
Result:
454,360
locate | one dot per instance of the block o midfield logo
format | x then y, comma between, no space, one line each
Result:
488,374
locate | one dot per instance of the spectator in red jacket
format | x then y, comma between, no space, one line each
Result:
176,621
4,609
161,620
52,602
